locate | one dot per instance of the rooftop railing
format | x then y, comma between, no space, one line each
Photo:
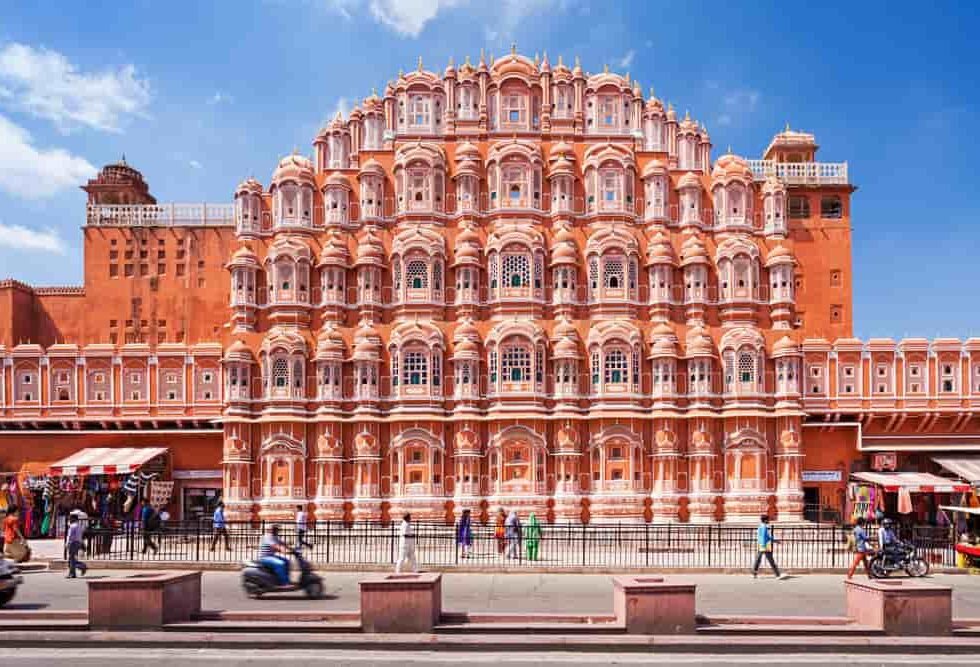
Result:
801,173
160,215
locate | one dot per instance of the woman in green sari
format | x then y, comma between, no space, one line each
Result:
532,536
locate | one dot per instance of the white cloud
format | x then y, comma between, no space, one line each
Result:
627,60
220,97
408,18
342,107
18,237
45,84
736,103
34,173
196,164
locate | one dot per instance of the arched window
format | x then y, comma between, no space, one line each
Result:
298,374
612,272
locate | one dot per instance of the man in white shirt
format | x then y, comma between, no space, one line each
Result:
301,527
406,546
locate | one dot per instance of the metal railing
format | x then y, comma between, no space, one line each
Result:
563,545
794,173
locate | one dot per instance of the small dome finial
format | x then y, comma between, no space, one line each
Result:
420,63
605,69
513,48
653,93
123,158
729,149
467,62
561,63
787,127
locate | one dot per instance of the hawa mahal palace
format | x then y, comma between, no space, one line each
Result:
510,284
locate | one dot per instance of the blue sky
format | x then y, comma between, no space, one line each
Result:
200,95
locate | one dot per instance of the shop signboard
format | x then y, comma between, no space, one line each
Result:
821,476
884,462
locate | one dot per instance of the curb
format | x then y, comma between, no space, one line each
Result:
496,643
61,565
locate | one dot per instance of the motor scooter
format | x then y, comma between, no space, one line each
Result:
10,579
259,579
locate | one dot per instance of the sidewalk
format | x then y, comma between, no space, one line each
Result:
718,594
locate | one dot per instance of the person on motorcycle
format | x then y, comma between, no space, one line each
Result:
274,554
888,540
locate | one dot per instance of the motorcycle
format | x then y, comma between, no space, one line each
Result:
10,579
259,579
904,558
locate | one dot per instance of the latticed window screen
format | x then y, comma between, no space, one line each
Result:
493,366
436,370
746,367
517,270
416,274
415,368
616,367
632,274
493,271
516,363
636,366
280,373
612,273
437,276
396,273
539,365
595,369
593,272
538,270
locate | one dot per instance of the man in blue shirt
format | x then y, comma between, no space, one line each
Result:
764,540
861,548
220,526
274,554
888,540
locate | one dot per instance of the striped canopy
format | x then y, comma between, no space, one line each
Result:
106,461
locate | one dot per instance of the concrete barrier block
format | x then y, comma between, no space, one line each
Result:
401,602
653,605
906,607
143,601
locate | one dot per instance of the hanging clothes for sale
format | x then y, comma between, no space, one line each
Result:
160,493
905,501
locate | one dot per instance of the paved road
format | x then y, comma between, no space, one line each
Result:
82,657
805,595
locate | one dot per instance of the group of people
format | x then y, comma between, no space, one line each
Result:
860,543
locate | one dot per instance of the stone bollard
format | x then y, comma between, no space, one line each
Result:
652,605
143,601
401,602
901,606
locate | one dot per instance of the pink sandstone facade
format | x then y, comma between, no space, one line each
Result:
512,284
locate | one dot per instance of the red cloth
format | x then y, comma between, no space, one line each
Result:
904,501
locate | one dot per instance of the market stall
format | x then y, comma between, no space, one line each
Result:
109,485
913,498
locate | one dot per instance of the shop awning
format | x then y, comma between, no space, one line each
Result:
915,482
967,467
106,460
965,510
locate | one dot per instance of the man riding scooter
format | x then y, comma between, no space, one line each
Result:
274,554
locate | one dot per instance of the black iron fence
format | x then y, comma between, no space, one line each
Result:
600,546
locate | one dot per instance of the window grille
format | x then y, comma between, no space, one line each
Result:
612,273
517,270
416,273
616,368
415,369
280,373
516,361
593,273
746,368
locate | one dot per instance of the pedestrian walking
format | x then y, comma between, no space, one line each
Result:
512,529
500,531
464,534
301,527
532,536
73,538
150,523
861,549
406,546
765,540
220,527
14,543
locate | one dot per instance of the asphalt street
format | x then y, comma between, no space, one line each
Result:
804,595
